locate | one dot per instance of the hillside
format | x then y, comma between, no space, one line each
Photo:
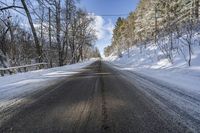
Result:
169,25
151,61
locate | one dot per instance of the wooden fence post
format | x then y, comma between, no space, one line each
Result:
2,72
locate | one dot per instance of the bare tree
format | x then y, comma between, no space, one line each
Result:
37,43
189,32
62,37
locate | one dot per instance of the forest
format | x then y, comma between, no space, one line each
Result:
56,32
170,25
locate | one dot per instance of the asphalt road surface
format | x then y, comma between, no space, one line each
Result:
97,100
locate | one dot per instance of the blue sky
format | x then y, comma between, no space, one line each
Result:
105,24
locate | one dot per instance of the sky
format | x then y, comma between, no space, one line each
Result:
104,24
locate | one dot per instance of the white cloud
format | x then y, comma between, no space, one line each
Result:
109,27
98,26
104,29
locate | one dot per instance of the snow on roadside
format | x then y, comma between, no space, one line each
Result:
182,104
174,87
14,88
147,63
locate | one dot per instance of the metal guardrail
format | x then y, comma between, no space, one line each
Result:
25,68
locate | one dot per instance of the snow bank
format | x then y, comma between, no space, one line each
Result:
150,61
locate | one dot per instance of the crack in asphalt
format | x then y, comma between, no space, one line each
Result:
105,127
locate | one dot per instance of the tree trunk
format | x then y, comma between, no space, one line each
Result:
58,30
50,42
190,54
37,43
196,9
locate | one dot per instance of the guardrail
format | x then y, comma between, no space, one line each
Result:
25,68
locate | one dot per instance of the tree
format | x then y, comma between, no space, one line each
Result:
189,31
59,35
37,43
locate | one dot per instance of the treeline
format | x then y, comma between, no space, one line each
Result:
56,32
170,25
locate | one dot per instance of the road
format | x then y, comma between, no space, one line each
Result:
97,100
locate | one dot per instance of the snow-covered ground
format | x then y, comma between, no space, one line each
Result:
175,87
182,104
15,88
147,63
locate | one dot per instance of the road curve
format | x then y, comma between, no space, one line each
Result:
97,100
